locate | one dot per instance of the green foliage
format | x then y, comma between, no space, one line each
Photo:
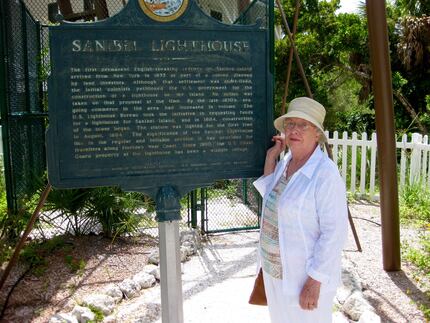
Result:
35,254
13,223
43,73
114,209
71,204
425,309
356,119
75,265
6,252
226,188
412,7
398,80
334,52
331,47
415,209
415,204
147,203
421,257
98,313
81,209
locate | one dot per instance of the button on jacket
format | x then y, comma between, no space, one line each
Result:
312,220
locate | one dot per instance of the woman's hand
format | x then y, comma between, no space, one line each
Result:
277,148
310,294
273,153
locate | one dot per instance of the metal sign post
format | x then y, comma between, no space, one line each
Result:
170,272
168,216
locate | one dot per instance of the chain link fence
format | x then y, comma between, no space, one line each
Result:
231,205
23,125
226,206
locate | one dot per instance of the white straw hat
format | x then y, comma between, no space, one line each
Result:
303,108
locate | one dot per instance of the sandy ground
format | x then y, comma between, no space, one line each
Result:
216,282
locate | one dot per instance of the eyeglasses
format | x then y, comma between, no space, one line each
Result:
301,126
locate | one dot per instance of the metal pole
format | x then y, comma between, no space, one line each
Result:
290,59
4,107
383,94
203,203
204,215
245,191
354,231
170,273
168,216
296,54
271,31
193,195
29,164
24,237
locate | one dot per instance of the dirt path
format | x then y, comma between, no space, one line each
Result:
216,282
394,295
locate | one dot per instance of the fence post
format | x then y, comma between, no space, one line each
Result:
193,197
353,162
403,160
424,161
245,191
335,146
373,146
415,168
4,108
344,155
363,163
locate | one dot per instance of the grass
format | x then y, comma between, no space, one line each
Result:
415,205
35,254
420,257
75,265
415,212
98,314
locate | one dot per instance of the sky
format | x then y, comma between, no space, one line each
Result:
349,5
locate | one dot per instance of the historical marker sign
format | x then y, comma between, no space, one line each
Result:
157,96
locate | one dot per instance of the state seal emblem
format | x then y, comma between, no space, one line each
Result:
163,10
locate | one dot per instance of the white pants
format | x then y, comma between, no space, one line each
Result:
285,309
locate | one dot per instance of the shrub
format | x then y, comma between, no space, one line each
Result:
114,209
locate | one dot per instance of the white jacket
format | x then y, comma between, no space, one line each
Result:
312,220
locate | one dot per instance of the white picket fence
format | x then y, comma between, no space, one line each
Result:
356,159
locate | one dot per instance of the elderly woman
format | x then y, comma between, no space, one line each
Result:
304,221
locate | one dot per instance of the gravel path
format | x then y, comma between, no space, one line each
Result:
217,281
216,285
394,295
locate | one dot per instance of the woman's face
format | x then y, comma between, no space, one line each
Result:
300,135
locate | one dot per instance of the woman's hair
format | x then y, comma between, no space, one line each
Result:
321,137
